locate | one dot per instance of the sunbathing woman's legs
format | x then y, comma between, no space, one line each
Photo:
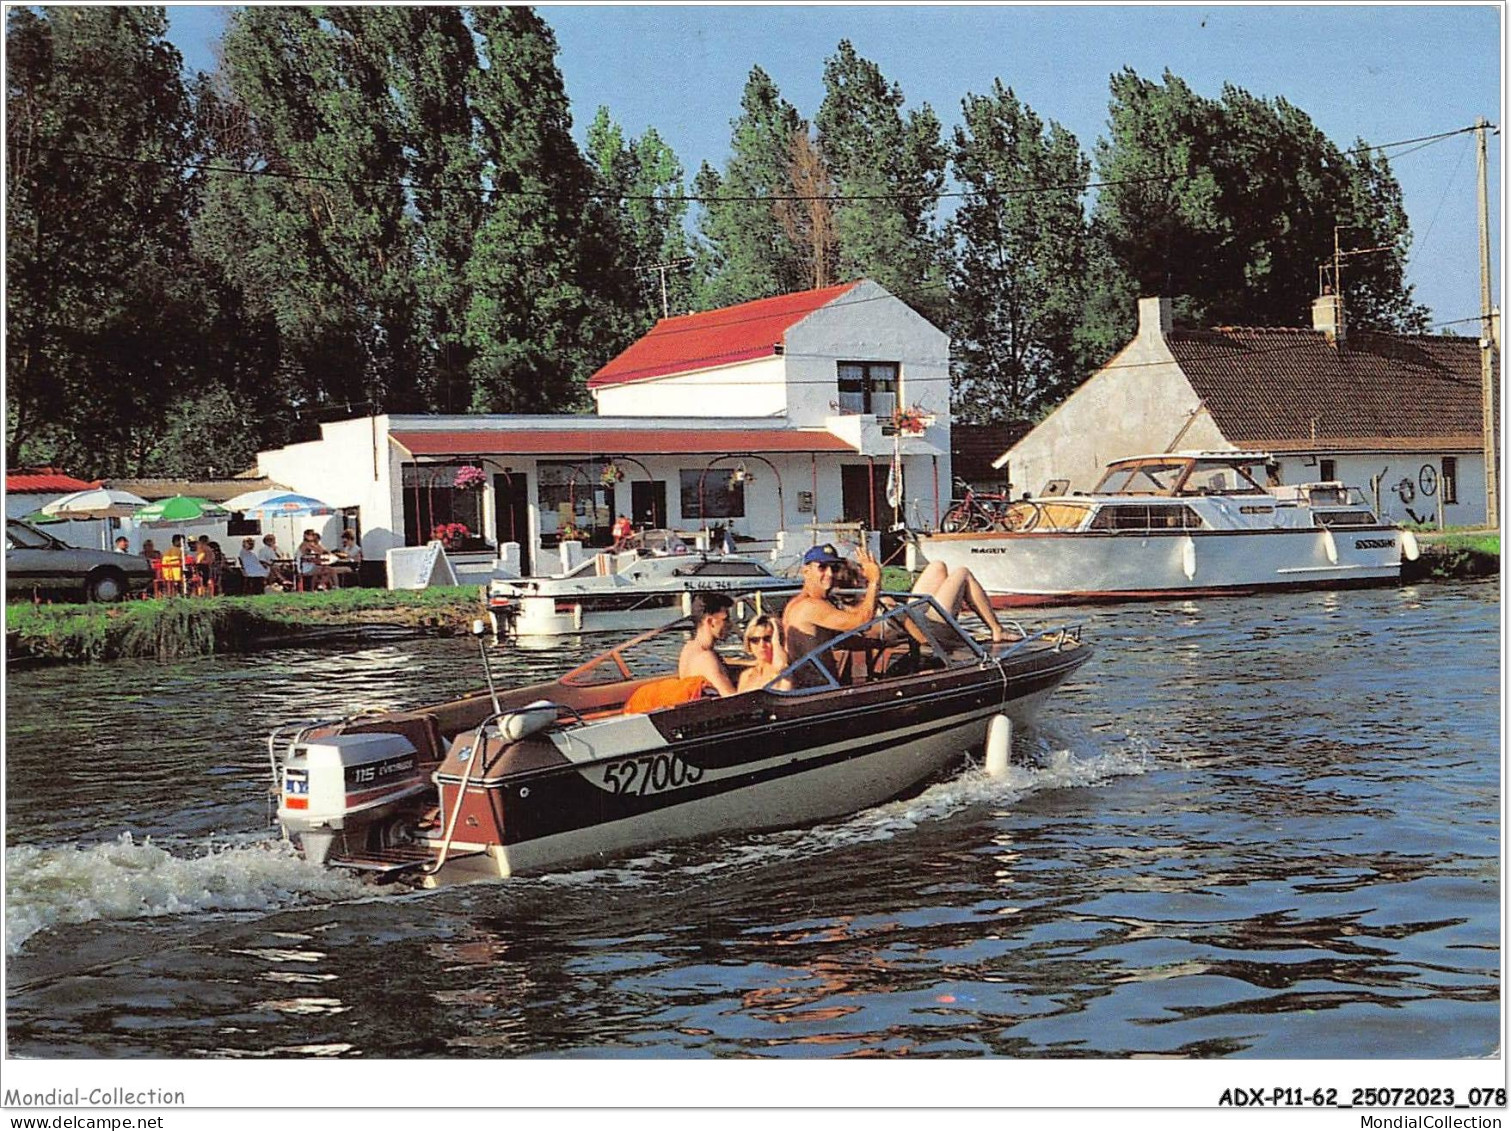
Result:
955,589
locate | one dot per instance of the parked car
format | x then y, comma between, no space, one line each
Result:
37,561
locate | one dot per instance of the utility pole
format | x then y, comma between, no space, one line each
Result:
1487,339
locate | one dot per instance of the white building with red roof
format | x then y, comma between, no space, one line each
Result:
783,415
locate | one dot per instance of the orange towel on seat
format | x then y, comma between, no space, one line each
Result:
666,692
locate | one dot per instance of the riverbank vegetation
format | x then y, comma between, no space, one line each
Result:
178,627
1459,554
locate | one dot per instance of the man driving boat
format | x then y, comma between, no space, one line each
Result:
812,618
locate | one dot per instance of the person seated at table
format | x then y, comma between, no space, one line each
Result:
172,559
209,560
277,563
254,573
151,552
349,550
312,568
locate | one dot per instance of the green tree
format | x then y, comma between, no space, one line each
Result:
888,171
102,307
1019,278
746,252
645,184
552,298
1230,205
321,238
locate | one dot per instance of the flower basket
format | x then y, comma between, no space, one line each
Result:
453,535
469,478
911,421
611,475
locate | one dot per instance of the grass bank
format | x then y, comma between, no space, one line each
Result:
1457,554
179,627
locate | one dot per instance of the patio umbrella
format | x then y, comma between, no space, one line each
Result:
96,503
266,504
178,510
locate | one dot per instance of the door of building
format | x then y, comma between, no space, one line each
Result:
511,513
648,504
863,498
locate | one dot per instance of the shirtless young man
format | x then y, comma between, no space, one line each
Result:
811,618
711,615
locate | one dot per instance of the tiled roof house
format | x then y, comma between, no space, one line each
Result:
1374,410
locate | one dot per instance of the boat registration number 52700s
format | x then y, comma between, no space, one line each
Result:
650,773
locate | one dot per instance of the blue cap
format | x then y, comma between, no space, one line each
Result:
824,555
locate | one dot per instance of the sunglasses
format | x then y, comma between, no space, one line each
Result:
765,639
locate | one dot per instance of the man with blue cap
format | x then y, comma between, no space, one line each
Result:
811,618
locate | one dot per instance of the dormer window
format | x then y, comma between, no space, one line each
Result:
868,387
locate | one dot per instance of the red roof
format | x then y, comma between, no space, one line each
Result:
714,337
44,481
625,441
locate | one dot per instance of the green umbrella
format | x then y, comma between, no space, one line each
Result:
180,509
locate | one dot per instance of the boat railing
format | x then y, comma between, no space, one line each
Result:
1059,638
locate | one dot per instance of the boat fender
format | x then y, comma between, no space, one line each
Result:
1188,557
1329,545
1409,546
529,719
999,743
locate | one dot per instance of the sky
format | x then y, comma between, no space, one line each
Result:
1380,73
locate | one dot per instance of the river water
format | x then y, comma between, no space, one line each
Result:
1250,828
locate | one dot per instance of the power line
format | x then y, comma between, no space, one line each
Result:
690,198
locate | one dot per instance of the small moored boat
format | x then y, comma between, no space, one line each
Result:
613,756
649,583
1179,524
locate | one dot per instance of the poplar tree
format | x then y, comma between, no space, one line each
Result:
552,299
888,172
644,183
747,253
320,238
1019,276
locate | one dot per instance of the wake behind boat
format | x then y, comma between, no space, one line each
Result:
648,583
614,756
1183,523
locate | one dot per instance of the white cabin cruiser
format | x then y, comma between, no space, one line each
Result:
647,584
1181,523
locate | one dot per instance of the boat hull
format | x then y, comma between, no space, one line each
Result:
1029,569
792,762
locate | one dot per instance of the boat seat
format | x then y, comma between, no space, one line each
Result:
669,692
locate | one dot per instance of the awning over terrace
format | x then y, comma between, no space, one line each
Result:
618,441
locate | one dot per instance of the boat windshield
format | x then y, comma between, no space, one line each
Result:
1155,477
913,636
1221,478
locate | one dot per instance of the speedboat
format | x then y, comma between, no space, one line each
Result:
648,583
1178,524
619,754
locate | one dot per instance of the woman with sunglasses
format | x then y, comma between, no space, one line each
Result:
763,640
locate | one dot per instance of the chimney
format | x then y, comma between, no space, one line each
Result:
1154,319
1327,317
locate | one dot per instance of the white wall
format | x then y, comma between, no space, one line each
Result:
1139,403
751,388
1358,469
340,469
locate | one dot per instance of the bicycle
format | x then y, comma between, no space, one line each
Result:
980,513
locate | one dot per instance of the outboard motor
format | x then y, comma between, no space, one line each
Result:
344,785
